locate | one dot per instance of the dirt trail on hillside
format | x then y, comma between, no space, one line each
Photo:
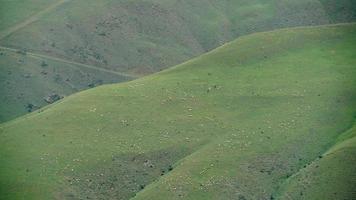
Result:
31,19
38,56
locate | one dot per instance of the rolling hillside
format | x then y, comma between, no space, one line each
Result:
133,37
268,116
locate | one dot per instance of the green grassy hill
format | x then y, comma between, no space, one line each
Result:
132,36
267,116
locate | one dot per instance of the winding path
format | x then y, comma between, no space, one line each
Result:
36,55
36,17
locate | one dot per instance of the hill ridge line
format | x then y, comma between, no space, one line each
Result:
222,46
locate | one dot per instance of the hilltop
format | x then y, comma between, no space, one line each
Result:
127,38
267,116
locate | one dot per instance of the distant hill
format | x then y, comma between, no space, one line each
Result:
133,37
142,37
268,116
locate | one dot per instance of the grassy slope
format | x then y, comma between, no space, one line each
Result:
238,122
25,80
15,11
335,168
139,37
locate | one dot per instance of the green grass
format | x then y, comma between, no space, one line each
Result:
248,120
335,168
140,37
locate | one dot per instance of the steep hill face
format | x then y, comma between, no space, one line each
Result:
268,116
130,36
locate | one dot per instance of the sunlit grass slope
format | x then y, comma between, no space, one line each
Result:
134,36
336,168
267,116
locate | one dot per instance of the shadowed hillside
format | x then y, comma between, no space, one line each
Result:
267,116
133,37
29,81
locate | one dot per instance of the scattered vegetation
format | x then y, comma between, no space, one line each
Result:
35,79
165,137
135,37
